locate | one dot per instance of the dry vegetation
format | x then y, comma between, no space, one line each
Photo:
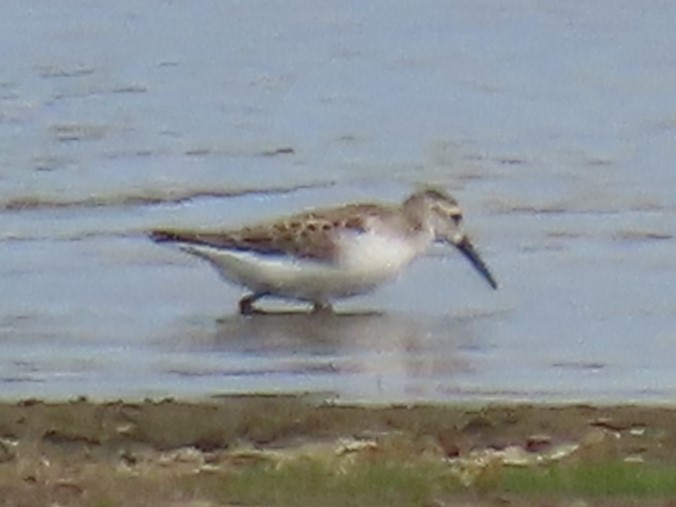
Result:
283,451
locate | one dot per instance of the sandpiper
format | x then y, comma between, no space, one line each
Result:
326,254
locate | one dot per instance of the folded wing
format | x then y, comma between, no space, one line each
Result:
311,235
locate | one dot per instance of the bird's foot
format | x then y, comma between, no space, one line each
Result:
322,309
246,304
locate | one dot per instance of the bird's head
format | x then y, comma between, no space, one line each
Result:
438,211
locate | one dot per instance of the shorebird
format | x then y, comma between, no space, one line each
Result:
325,254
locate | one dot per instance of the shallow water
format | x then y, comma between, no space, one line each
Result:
554,125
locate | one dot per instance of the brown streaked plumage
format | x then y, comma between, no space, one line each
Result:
306,235
326,254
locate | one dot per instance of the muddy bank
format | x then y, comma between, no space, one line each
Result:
269,450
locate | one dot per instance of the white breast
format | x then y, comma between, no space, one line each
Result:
366,261
376,254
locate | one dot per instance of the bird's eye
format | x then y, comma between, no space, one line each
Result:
457,218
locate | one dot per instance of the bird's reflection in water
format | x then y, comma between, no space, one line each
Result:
398,352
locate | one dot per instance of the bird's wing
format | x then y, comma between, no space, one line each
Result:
310,235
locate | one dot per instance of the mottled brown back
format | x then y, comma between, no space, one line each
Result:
305,235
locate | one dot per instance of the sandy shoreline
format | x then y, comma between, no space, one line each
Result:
199,453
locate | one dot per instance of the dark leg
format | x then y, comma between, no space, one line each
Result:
246,306
322,308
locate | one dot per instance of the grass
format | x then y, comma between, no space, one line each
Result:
592,480
302,482
270,452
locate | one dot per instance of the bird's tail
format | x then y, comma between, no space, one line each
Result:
166,236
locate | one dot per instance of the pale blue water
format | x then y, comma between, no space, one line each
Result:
554,124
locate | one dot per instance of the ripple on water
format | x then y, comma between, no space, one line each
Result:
149,197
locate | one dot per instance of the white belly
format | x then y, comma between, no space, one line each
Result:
366,261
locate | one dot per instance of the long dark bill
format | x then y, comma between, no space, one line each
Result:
468,250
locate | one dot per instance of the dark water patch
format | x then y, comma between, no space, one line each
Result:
641,236
566,235
132,88
599,162
54,71
87,92
128,155
529,209
578,365
347,138
510,161
46,164
573,207
99,90
70,132
70,238
480,393
198,152
283,369
149,198
283,150
44,168
208,151
646,205
543,248
20,380
13,320
218,373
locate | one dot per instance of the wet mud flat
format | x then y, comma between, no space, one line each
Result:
290,450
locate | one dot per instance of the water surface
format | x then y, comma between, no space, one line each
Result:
554,126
